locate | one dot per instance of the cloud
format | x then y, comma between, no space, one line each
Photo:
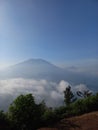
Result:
81,87
51,92
87,66
62,85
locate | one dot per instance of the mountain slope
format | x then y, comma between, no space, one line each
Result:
87,121
41,69
33,68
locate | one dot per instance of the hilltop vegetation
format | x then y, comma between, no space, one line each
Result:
25,114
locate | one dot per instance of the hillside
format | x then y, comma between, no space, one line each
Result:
42,69
87,121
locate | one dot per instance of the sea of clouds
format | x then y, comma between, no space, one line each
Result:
50,92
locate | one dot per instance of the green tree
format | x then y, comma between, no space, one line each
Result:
69,96
4,122
25,113
49,117
84,105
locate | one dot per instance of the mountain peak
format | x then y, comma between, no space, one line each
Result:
36,61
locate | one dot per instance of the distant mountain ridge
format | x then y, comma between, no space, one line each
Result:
42,69
32,68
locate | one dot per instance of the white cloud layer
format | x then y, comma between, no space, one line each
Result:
51,92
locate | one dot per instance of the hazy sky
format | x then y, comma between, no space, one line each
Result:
55,30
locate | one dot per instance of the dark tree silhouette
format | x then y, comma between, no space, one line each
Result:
25,113
69,96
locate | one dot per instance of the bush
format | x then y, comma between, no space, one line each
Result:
4,122
49,117
82,106
24,113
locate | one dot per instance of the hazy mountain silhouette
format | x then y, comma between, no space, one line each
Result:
41,69
32,68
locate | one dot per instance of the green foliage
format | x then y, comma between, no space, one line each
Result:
85,105
49,117
4,122
24,113
60,112
77,108
2,116
68,96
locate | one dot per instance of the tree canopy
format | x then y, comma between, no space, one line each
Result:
68,96
25,113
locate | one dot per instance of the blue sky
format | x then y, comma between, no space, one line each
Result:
60,31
